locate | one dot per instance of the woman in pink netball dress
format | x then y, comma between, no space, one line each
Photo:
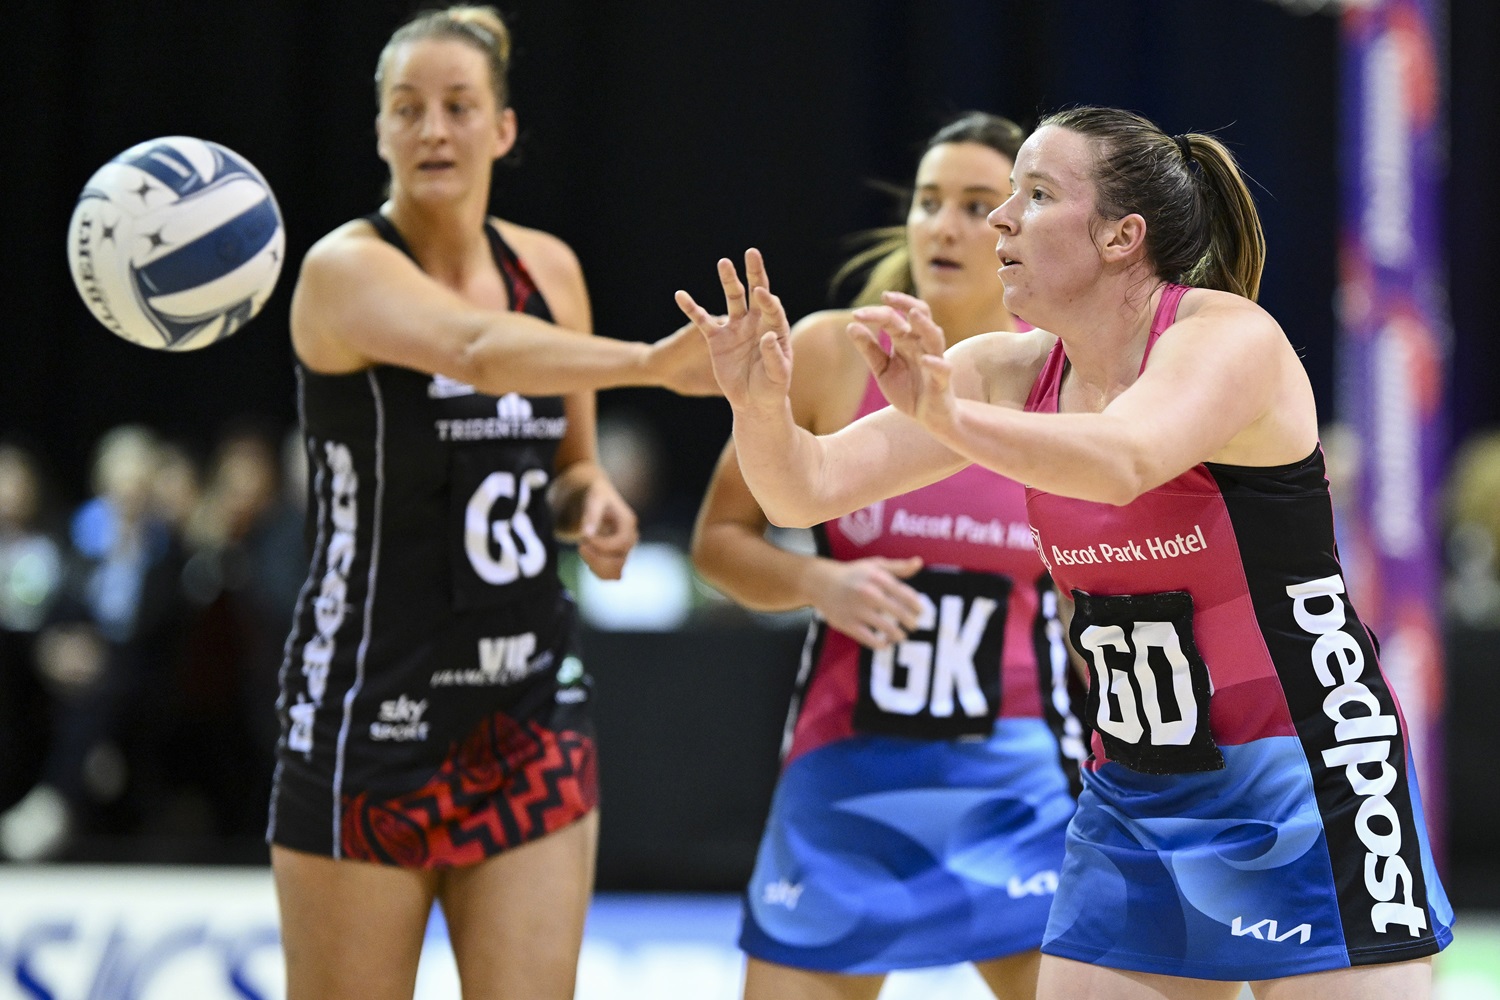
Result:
1250,810
920,812
436,743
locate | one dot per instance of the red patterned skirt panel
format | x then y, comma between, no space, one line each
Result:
507,784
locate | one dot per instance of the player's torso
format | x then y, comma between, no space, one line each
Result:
974,655
433,591
1200,605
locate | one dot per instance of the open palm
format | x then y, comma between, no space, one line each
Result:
750,346
913,374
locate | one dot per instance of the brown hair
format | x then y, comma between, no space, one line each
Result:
1201,225
479,26
886,254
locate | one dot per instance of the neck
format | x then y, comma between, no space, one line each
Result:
962,320
1105,332
445,238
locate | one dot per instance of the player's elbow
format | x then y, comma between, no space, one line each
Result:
1138,477
480,361
711,553
703,552
1125,476
781,518
497,362
1117,493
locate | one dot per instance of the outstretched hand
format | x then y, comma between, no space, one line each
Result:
682,359
750,346
914,375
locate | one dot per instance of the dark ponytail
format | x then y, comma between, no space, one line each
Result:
1202,228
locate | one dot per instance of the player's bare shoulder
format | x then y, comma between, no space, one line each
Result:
1210,312
554,267
822,337
1215,304
351,240
549,259
338,272
1007,362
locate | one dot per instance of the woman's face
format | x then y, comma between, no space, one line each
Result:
958,184
1046,246
438,128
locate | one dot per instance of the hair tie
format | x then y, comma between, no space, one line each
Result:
1184,148
484,36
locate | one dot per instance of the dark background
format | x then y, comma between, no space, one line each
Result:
658,136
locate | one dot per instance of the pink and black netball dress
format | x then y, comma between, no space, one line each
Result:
1250,810
920,812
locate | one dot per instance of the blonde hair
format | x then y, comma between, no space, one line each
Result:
886,259
476,25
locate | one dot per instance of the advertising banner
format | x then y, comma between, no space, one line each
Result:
1393,348
121,933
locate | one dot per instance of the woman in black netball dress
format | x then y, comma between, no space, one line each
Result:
436,744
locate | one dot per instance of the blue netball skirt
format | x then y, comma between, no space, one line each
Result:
1249,872
886,853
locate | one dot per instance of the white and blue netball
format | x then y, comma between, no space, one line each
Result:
176,243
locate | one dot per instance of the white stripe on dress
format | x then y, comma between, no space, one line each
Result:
364,641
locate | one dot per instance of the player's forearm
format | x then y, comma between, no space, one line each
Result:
1089,456
750,570
514,352
784,466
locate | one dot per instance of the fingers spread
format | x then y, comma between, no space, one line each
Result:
880,632
937,371
755,269
918,339
772,313
734,290
869,347
906,606
693,311
903,301
777,358
882,318
929,332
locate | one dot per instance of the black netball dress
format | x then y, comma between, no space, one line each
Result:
433,709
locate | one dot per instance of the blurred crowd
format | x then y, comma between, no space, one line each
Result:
142,629
141,632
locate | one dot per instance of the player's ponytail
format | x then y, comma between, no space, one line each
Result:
1202,228
1236,252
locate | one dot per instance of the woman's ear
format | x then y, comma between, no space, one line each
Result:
1123,240
505,131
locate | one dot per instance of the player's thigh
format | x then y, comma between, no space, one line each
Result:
516,919
350,929
769,981
1065,979
1400,981
1012,977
